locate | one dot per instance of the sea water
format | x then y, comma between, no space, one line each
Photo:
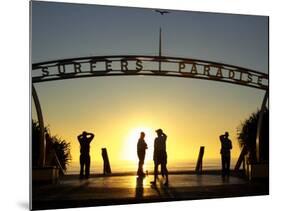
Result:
131,166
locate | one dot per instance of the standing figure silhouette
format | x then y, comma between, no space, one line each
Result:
141,147
85,159
160,156
226,146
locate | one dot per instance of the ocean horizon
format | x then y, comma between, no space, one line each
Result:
131,166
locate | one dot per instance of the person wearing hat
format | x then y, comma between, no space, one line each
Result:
85,159
141,147
160,156
226,146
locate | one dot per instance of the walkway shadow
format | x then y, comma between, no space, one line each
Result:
163,191
139,188
167,191
226,179
154,187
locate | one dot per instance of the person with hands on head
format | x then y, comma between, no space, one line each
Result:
85,139
226,146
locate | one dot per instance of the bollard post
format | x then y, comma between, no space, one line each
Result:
106,164
199,165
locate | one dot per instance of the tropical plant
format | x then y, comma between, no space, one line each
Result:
35,144
62,150
247,132
55,148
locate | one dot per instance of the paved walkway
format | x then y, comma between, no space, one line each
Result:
73,192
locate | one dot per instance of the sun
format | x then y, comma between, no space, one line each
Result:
130,143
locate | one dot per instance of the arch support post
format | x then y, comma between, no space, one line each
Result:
42,154
259,126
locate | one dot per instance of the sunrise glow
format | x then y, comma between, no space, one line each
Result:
130,149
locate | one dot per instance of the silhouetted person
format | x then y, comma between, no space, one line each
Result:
160,156
85,140
141,147
226,146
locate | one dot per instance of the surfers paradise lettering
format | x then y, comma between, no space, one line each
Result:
147,65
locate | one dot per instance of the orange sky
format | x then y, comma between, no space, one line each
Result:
192,113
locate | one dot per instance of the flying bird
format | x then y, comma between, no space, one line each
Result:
162,12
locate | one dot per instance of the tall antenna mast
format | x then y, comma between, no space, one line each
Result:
161,12
160,42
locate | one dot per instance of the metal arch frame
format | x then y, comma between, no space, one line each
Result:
259,125
147,72
156,71
42,145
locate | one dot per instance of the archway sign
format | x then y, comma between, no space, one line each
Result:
146,65
124,65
